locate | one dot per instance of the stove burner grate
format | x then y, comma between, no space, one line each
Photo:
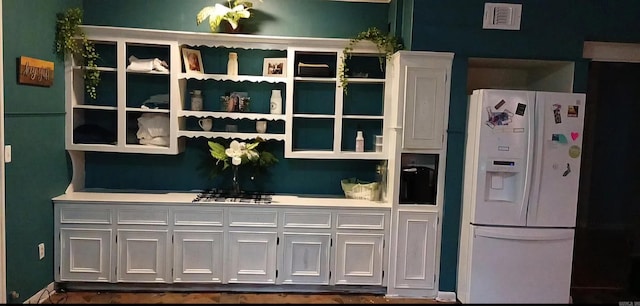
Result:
225,196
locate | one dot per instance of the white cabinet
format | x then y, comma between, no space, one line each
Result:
198,245
84,248
306,258
252,245
319,119
416,250
109,123
252,257
143,243
306,247
143,256
419,84
359,259
121,242
85,254
322,119
214,83
359,256
198,256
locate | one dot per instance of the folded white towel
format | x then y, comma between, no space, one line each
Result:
152,125
137,64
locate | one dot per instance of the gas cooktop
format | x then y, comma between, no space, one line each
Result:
226,196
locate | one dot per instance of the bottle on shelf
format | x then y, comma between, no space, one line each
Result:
196,100
232,65
276,102
359,142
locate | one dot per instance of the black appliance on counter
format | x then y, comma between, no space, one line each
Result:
417,185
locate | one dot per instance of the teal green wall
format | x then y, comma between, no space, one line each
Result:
34,127
550,30
311,18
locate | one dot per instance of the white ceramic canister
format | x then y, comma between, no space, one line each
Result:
276,102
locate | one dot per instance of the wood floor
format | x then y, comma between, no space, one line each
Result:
93,297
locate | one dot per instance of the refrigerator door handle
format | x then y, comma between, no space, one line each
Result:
528,172
537,163
498,233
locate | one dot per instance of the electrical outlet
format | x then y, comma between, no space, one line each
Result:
41,250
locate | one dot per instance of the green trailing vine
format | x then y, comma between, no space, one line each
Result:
71,40
386,44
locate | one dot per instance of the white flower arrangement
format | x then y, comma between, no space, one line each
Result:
241,153
235,11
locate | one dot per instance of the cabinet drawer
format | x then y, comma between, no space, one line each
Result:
85,215
253,218
199,217
307,219
360,220
143,215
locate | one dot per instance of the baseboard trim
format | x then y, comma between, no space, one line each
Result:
41,295
203,287
446,296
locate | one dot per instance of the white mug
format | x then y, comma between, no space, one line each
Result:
206,124
261,126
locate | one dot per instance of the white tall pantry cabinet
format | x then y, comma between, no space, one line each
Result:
417,89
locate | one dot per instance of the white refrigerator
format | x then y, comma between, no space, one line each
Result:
521,174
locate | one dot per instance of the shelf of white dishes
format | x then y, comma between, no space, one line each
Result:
231,115
228,135
224,77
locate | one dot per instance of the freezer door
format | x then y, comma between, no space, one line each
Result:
558,146
520,265
502,156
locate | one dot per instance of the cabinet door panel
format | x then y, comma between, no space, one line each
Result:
252,257
358,259
197,256
424,108
416,249
85,255
142,256
306,258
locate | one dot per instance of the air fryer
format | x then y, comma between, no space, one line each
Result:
417,185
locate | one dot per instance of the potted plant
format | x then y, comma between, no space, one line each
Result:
232,13
71,40
387,45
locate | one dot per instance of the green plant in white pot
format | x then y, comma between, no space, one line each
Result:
232,13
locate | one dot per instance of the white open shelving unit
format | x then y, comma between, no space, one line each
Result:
118,111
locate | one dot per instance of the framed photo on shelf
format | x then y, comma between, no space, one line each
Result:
192,60
275,67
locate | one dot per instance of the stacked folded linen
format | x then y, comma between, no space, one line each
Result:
153,129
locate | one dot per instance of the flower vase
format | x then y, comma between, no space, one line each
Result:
235,187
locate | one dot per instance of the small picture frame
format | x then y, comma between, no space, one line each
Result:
192,60
275,67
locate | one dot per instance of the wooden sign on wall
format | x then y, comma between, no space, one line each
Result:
35,72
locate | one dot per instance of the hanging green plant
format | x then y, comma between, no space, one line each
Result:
71,40
387,45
